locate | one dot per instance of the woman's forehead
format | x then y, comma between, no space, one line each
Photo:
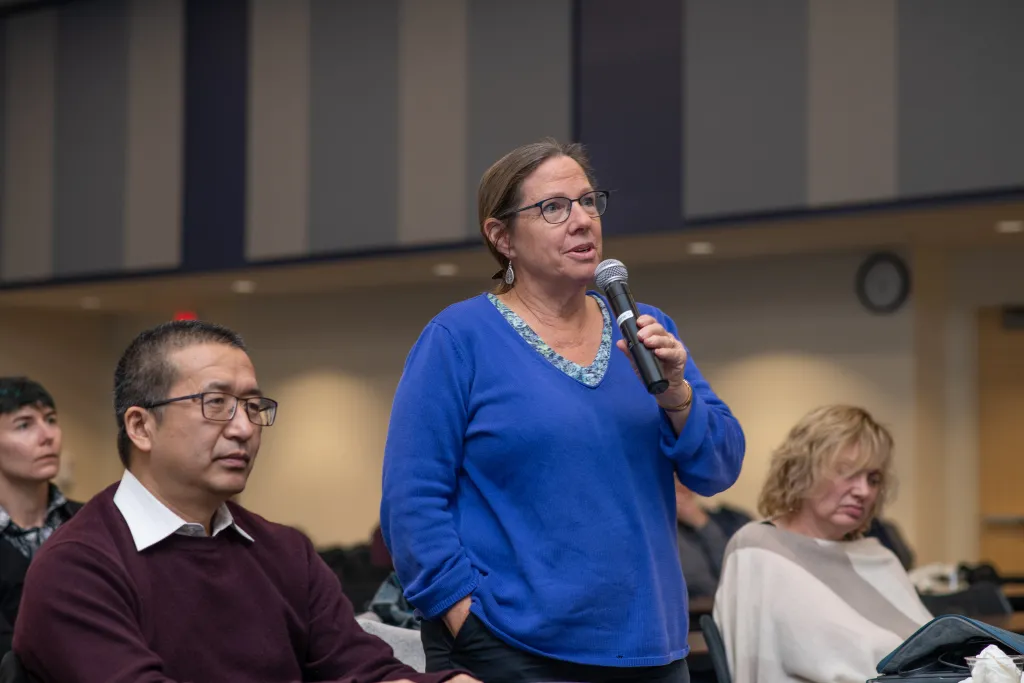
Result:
557,172
857,458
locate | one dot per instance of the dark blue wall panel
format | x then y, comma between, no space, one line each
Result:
630,108
216,76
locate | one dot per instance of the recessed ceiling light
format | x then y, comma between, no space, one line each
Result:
90,303
1009,227
243,286
701,248
445,269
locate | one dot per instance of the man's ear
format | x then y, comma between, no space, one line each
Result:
140,425
499,235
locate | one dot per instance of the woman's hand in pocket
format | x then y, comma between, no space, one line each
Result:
455,617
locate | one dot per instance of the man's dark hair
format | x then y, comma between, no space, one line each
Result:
18,392
144,374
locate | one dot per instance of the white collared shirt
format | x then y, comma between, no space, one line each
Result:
150,521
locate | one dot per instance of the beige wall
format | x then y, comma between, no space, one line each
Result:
776,337
779,337
978,278
333,362
71,355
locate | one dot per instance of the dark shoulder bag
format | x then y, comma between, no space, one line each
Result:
935,653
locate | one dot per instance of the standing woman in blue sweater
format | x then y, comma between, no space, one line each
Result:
528,491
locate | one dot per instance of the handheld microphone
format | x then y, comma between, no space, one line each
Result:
613,280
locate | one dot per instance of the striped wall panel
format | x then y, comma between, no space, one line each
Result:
630,108
370,124
513,95
961,95
796,105
142,135
155,129
431,120
91,140
26,217
90,111
745,117
3,131
353,88
216,72
851,102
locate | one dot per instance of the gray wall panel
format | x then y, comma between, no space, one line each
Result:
353,125
745,106
961,95
91,124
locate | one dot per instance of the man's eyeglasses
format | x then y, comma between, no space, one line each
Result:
221,407
556,210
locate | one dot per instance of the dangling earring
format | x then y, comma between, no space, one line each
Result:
510,275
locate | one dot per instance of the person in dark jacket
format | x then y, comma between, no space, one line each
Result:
31,507
703,534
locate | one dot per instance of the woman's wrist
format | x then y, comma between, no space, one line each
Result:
684,405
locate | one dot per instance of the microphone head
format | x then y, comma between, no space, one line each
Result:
610,271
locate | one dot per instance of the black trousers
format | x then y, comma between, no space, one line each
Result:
492,660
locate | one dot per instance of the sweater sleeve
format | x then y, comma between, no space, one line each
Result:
339,650
77,621
422,456
708,452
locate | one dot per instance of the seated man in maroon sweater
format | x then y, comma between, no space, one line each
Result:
160,579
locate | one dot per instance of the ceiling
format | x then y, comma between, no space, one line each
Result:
953,227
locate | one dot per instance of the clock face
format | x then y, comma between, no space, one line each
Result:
883,283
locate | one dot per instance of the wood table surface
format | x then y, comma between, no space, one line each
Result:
698,646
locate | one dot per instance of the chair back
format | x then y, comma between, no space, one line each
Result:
405,642
716,648
11,670
977,600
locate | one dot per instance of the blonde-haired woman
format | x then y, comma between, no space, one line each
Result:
805,596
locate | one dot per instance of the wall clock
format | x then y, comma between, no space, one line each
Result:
883,283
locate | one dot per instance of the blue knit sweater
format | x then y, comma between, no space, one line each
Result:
550,501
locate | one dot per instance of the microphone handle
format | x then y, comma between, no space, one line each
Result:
625,311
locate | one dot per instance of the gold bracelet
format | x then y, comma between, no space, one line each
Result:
685,405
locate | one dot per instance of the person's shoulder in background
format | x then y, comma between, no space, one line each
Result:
888,534
729,519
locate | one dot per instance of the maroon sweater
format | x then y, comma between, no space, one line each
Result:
217,610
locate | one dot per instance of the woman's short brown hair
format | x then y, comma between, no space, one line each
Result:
810,454
500,186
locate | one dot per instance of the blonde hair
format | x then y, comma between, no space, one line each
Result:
810,454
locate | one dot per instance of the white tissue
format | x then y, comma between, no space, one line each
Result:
993,666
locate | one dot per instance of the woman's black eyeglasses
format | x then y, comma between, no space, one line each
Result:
556,210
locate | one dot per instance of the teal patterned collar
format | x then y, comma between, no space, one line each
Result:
590,375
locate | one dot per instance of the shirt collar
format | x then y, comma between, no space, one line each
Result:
57,502
150,521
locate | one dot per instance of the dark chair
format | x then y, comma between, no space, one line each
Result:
716,648
977,600
984,572
359,577
11,670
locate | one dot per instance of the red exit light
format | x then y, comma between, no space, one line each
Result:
186,315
